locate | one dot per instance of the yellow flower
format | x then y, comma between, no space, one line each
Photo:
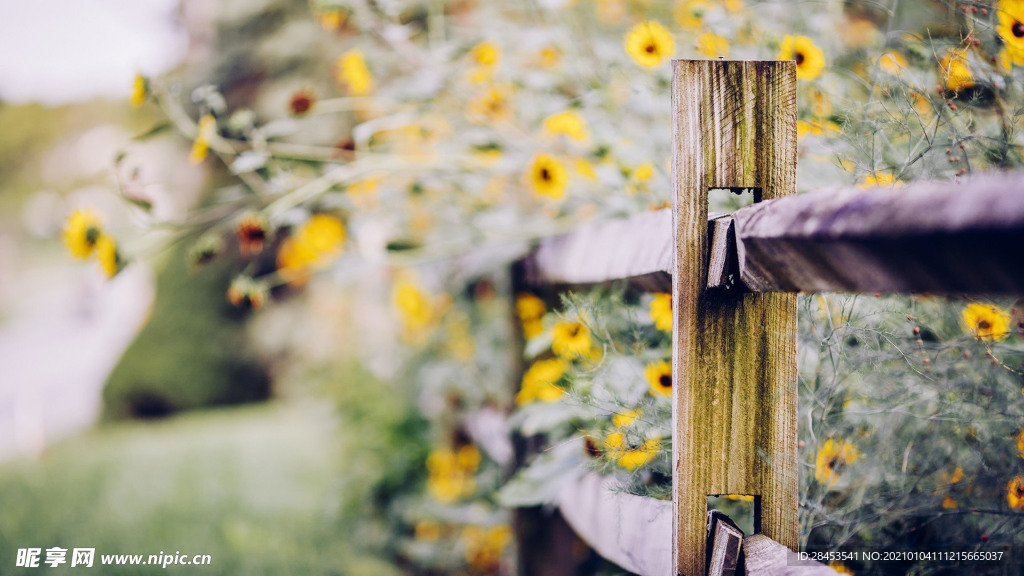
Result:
547,176
319,241
955,70
540,382
661,311
626,417
740,497
81,233
815,128
351,71
644,172
1020,444
614,441
893,63
955,477
733,5
712,45
485,54
633,459
492,105
1015,493
879,179
810,61
452,473
529,307
1011,28
585,169
649,43
832,458
107,255
571,340
986,322
139,90
428,531
949,503
207,127
486,546
840,568
568,123
690,13
549,57
330,19
659,377
413,305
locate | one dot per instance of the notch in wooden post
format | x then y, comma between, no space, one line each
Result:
734,354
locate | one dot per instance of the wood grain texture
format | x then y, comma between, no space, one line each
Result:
950,237
762,555
734,360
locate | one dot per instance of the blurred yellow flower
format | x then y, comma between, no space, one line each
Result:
540,382
644,172
1011,29
733,5
840,568
614,441
570,340
949,503
689,14
661,311
986,322
207,128
413,306
351,70
139,91
486,546
649,43
879,179
107,255
451,475
626,417
955,70
330,19
1020,444
659,377
549,57
810,61
492,105
568,123
821,106
547,176
832,458
316,244
529,307
815,128
427,531
633,459
485,54
712,45
81,233
893,63
1015,493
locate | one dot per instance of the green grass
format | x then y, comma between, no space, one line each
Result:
254,487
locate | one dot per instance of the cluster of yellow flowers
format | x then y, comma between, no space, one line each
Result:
85,238
485,546
631,458
452,473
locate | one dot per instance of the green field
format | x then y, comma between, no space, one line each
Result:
256,488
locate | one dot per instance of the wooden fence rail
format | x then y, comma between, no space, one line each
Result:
734,279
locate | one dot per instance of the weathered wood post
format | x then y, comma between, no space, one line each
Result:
734,360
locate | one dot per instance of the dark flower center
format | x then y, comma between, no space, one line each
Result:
574,330
1017,29
650,48
983,325
92,235
665,381
799,57
546,175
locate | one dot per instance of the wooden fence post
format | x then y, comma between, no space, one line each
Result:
734,354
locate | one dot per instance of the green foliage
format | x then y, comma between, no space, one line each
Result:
191,353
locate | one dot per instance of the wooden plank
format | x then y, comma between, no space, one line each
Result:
924,237
629,530
609,250
725,542
734,355
762,555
